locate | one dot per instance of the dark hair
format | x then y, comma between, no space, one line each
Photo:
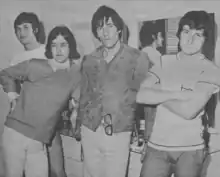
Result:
199,20
104,12
149,32
68,36
29,17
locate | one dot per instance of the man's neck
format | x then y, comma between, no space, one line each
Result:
56,66
110,53
154,45
182,55
31,46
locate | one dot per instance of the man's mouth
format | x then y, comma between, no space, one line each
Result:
22,37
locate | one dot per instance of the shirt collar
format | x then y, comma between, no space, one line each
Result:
195,57
99,53
58,66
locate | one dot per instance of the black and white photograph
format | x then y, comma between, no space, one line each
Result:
111,88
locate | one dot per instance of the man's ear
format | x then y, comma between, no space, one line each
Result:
154,37
35,31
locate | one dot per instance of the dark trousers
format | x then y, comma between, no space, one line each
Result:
181,163
56,157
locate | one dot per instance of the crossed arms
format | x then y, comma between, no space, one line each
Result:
186,104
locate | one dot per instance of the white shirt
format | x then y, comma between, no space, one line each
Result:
153,54
170,131
27,55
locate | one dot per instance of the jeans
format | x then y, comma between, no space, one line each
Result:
105,156
181,163
23,154
56,157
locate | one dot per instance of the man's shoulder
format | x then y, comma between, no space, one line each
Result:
27,55
133,52
93,57
97,53
17,58
35,62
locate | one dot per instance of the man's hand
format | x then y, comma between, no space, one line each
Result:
12,99
77,133
13,104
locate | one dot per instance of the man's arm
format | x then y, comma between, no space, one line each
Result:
150,92
81,90
9,76
155,96
189,109
141,71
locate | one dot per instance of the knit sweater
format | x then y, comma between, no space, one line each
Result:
43,97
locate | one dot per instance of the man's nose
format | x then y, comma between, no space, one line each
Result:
191,36
22,32
59,50
105,32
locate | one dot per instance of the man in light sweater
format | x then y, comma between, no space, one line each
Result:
29,32
181,89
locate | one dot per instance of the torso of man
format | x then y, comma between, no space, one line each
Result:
111,86
170,131
153,54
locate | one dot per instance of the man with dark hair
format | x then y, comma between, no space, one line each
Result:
29,32
111,77
151,38
181,89
47,87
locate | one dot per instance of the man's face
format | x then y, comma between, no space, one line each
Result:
159,39
191,40
108,34
25,33
60,49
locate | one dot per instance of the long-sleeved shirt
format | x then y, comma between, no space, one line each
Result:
43,96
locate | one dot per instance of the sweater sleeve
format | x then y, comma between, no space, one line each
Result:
9,76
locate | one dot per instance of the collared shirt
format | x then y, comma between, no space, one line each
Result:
110,88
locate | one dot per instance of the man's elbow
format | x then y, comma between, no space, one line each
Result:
143,97
189,114
184,112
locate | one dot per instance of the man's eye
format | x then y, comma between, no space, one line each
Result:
199,35
110,25
64,45
99,28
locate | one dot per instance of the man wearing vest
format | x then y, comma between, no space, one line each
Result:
111,77
181,89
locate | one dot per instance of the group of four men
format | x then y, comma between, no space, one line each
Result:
112,79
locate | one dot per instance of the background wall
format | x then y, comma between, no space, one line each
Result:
77,15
